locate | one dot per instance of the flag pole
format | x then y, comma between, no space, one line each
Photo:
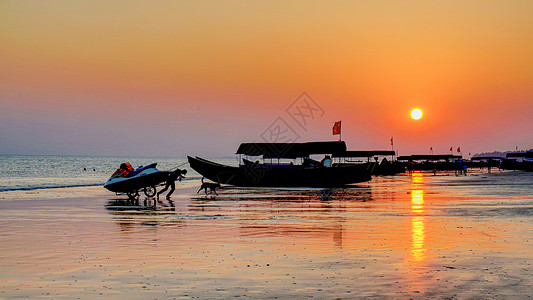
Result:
392,147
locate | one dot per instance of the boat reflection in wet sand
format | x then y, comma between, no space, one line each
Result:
307,173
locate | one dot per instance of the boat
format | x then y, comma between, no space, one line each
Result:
309,173
486,162
386,167
433,162
522,161
128,181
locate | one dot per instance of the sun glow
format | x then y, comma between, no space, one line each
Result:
416,114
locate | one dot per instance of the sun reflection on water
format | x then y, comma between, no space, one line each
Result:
418,234
417,201
417,177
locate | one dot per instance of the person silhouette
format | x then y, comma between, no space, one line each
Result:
172,177
326,161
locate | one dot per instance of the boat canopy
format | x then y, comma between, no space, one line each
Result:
515,154
486,158
429,157
364,153
290,150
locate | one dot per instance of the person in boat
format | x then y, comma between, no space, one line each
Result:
326,161
172,177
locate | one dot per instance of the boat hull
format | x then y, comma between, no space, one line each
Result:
509,164
389,168
289,176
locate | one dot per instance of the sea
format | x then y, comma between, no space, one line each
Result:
31,172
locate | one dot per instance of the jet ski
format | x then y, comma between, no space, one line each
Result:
129,181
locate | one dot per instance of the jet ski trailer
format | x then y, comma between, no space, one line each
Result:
128,181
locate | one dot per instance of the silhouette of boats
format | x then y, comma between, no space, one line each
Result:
386,167
518,161
308,173
430,162
485,162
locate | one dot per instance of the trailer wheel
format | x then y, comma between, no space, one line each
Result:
150,191
133,195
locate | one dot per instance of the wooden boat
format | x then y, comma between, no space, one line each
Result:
437,162
386,167
310,173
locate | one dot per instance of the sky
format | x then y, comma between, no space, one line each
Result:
177,78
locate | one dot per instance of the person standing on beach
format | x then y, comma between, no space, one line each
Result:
172,177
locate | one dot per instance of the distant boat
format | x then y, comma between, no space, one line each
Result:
486,162
436,162
518,161
386,167
310,173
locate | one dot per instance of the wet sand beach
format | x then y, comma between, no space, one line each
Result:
419,236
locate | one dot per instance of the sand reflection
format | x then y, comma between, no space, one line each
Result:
147,214
417,201
418,249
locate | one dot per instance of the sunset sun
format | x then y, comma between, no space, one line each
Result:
416,114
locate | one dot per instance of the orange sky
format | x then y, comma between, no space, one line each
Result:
88,77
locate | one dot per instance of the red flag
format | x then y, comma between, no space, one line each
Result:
458,149
337,128
431,148
392,141
451,149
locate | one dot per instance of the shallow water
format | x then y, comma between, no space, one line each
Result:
418,236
